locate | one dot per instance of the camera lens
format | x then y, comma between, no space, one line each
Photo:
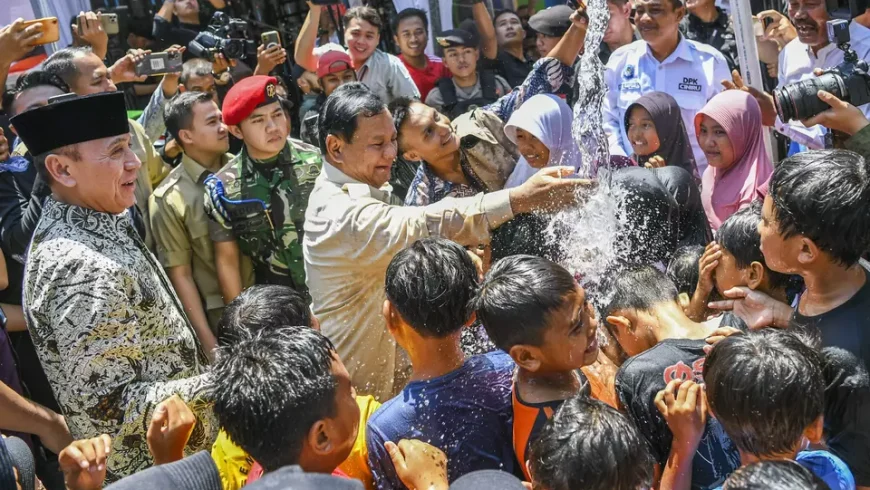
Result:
801,101
233,48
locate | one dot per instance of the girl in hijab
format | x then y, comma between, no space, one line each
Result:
730,134
541,129
657,134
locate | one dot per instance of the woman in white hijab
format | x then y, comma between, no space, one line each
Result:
541,129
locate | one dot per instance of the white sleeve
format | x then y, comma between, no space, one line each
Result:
813,138
610,108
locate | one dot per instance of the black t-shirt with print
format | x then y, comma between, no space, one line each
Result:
638,381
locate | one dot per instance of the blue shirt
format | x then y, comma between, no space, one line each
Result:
466,413
831,469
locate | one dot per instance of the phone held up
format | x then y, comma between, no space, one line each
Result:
159,64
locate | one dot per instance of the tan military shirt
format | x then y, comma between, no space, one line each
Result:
151,173
180,227
352,231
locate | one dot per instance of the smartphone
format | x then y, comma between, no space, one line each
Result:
270,39
159,64
50,30
109,21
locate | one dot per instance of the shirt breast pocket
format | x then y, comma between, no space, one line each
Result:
629,92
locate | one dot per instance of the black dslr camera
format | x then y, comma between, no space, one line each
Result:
849,81
226,36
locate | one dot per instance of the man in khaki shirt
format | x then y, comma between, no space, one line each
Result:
354,226
178,218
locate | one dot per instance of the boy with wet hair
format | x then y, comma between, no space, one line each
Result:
816,224
460,404
665,348
780,405
733,260
286,398
591,446
534,310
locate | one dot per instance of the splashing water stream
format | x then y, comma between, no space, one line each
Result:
586,234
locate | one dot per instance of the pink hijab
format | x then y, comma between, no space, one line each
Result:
724,192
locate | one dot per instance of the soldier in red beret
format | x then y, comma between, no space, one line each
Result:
257,201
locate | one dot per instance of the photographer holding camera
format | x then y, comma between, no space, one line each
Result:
170,31
827,54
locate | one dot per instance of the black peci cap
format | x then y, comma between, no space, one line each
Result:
72,120
553,22
457,37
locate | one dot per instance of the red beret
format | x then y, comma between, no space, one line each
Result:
247,95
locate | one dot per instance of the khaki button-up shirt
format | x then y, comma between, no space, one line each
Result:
352,231
180,228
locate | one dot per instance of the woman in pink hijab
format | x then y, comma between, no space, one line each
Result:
730,133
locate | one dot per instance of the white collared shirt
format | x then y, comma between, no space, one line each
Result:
352,232
387,76
692,75
797,62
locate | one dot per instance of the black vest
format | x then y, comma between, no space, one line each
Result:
453,107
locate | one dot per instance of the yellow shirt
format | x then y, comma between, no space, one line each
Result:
233,463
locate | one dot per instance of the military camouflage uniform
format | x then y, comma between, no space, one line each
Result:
262,206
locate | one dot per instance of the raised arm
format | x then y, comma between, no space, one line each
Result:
303,52
548,74
567,49
483,21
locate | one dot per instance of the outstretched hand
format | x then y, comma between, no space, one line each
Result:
755,308
765,100
548,190
842,116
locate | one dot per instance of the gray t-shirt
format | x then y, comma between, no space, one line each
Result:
436,101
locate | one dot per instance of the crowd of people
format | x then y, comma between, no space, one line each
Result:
335,268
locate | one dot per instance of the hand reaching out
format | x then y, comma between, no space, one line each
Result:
84,463
170,428
420,466
755,308
765,100
683,404
655,162
842,116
